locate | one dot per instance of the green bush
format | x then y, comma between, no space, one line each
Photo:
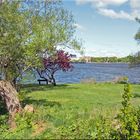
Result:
120,80
127,118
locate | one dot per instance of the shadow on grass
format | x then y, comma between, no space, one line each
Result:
3,109
41,102
136,95
35,87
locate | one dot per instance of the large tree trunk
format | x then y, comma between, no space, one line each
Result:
9,95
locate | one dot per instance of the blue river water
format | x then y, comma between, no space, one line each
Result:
99,71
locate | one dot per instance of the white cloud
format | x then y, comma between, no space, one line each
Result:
135,13
102,8
118,15
101,3
79,27
80,2
135,4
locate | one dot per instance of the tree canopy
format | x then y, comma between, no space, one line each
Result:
29,29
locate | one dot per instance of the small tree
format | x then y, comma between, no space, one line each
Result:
59,60
135,59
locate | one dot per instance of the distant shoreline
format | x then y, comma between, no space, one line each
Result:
101,62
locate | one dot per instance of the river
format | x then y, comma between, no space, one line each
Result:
99,71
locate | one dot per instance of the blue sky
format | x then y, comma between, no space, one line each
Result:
107,27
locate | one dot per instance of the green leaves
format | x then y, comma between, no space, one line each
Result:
127,118
30,28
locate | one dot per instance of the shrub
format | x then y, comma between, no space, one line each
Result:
120,80
127,118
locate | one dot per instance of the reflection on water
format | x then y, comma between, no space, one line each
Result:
100,72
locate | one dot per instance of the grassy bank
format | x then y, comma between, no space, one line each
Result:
80,96
58,108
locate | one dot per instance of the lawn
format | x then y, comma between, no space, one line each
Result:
58,108
80,97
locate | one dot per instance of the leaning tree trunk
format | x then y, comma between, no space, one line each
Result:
9,95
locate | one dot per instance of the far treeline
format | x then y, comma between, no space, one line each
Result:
127,59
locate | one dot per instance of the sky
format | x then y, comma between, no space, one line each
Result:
106,27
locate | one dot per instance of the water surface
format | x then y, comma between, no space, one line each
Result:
99,71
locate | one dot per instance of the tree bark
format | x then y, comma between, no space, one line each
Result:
53,80
40,74
9,95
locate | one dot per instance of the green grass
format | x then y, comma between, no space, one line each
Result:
80,96
60,106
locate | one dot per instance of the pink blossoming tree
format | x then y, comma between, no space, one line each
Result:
60,60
